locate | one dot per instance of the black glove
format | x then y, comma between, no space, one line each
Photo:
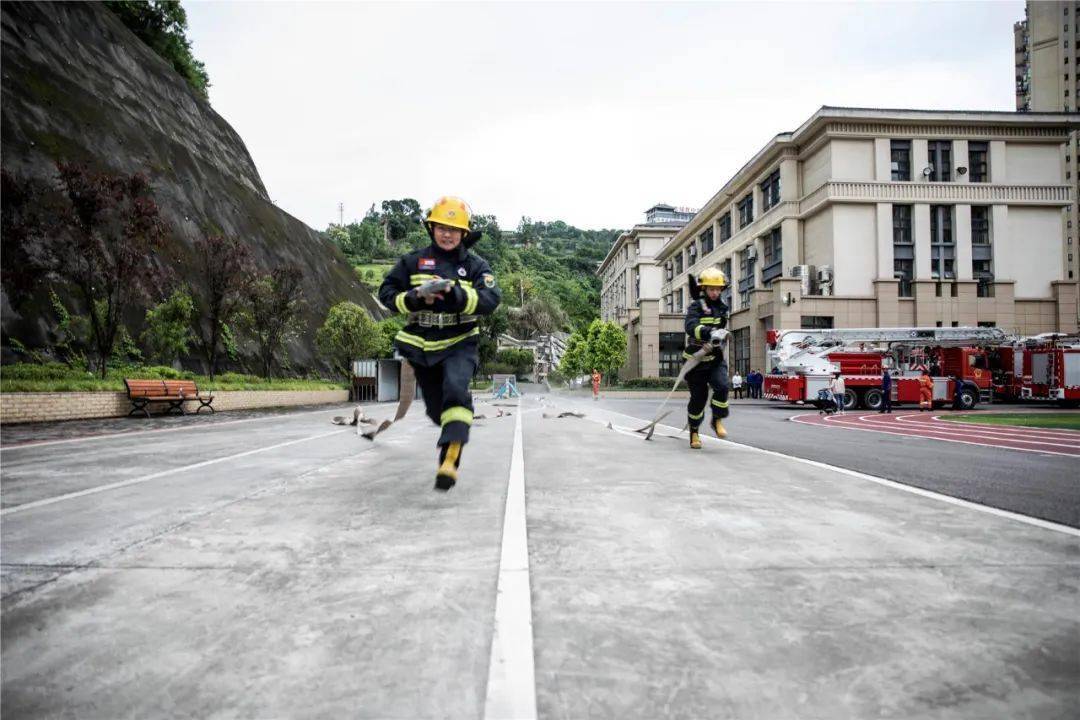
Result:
413,301
455,299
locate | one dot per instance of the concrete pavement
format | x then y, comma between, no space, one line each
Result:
324,578
1041,485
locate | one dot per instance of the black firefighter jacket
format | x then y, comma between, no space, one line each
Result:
702,317
474,293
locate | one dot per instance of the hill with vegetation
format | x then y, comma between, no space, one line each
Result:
122,185
546,269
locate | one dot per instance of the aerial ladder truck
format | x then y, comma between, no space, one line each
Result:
804,361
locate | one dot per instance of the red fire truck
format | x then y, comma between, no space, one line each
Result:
1044,367
804,362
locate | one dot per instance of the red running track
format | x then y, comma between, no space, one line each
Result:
931,426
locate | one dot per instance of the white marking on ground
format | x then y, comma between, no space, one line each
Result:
136,433
157,476
511,688
1036,522
900,433
944,428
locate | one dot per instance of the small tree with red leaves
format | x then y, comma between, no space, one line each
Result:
224,275
104,246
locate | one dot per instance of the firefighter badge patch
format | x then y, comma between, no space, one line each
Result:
489,280
461,272
427,263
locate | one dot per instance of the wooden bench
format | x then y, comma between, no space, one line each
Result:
174,392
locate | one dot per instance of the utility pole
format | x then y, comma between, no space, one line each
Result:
341,214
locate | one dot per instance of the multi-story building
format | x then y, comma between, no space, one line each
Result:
880,218
1047,59
630,290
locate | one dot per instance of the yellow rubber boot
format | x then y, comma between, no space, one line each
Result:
695,440
446,477
718,428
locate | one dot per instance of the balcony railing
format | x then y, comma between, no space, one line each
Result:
850,191
772,271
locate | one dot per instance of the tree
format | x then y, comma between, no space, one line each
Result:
168,327
540,315
162,25
224,273
401,217
605,347
574,358
271,312
104,245
348,334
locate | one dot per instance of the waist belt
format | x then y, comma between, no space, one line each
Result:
426,318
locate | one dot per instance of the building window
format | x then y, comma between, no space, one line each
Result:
746,210
901,224
773,265
942,243
987,323
903,249
706,240
816,322
725,227
978,164
678,263
667,303
691,255
983,271
746,275
740,351
940,158
770,191
901,160
637,285
671,350
667,271
980,224
725,294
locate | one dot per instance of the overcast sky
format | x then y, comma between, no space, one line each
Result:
587,113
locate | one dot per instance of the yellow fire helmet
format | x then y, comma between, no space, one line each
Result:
451,211
712,277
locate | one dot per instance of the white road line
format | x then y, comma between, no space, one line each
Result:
1013,430
156,476
511,688
796,419
136,433
1044,524
945,429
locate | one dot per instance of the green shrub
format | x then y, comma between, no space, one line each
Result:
47,371
649,383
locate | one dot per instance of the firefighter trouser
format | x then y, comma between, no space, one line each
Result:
445,387
715,374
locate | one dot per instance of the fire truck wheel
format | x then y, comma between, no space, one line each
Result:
872,399
851,399
968,399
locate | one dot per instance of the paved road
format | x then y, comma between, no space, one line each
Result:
1041,485
283,567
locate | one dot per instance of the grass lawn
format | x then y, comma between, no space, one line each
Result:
55,377
379,269
1062,420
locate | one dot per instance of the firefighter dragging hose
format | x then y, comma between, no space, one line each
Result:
444,290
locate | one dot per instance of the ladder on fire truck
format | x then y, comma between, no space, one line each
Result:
803,351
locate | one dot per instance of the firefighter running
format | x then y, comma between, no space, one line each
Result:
444,289
706,320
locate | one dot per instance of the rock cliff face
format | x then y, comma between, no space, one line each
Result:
78,85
